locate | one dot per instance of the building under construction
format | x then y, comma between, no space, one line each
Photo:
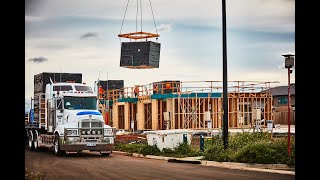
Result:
186,105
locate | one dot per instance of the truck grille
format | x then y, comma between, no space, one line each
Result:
96,124
91,124
92,128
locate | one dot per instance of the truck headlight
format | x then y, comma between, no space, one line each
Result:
107,131
72,132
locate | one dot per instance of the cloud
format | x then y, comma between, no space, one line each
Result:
38,59
89,35
33,18
58,29
271,15
164,27
281,66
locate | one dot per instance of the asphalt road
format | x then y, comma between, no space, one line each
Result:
93,166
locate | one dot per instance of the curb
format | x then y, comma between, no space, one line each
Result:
272,168
251,167
185,161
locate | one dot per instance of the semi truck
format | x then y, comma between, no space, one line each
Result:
66,118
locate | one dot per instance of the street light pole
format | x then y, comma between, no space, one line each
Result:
289,63
289,104
225,77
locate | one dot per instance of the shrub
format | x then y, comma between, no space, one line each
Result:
242,147
150,150
182,149
186,150
216,152
240,140
264,153
130,148
250,148
118,146
168,152
33,175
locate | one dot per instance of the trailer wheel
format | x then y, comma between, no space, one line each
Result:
56,146
30,141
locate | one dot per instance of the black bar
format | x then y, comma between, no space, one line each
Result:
225,77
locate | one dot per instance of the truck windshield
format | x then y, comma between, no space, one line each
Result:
83,88
80,103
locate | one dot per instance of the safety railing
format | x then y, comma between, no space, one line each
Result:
185,87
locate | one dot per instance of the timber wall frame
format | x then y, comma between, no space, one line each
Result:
189,110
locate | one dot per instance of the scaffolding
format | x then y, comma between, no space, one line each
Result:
190,105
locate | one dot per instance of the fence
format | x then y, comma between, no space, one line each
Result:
282,117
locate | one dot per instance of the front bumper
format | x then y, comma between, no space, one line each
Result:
90,141
80,147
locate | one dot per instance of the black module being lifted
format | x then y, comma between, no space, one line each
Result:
111,84
140,52
140,55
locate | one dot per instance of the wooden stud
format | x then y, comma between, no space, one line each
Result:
115,116
154,106
140,116
126,117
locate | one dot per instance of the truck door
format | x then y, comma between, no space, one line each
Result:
59,112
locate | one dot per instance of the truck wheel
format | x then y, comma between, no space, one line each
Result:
35,141
30,141
56,146
26,139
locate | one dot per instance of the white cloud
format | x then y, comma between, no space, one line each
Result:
281,66
186,54
271,15
33,18
164,27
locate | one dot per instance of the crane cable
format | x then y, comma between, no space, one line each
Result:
141,15
137,17
153,18
125,12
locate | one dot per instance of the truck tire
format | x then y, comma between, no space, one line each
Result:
30,141
26,139
35,141
56,146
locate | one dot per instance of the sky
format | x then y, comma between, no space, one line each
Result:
81,36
